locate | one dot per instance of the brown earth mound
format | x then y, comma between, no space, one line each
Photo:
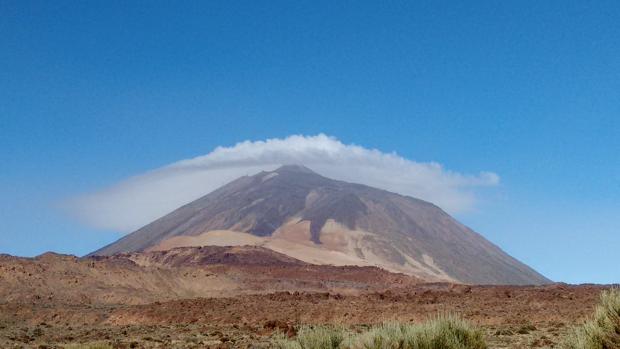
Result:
211,255
211,271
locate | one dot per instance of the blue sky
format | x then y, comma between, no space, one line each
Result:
91,94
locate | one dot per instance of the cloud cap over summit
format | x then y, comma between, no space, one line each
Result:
141,199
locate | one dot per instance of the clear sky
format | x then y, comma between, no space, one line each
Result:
92,93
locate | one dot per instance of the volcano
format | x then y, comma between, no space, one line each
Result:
299,213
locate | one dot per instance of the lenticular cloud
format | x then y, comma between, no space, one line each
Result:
139,200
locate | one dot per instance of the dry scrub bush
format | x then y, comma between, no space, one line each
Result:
603,330
317,337
89,346
446,332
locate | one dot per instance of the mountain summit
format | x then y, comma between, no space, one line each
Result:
302,214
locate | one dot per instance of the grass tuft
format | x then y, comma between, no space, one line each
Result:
89,346
445,332
603,330
314,337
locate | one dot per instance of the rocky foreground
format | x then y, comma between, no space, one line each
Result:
225,297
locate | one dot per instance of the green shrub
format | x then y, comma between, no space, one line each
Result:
446,332
388,335
603,330
316,337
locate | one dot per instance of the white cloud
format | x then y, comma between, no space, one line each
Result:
139,200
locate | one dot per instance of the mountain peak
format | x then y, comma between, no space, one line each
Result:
298,212
294,168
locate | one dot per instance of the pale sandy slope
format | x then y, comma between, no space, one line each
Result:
339,246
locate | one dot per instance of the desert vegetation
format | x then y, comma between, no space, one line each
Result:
89,346
444,332
602,331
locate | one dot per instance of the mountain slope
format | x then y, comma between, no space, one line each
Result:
319,220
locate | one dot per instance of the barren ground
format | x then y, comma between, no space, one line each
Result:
218,300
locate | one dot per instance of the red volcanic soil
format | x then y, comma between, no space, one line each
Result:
177,274
226,297
488,305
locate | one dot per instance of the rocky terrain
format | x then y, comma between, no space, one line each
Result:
179,273
511,317
239,297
